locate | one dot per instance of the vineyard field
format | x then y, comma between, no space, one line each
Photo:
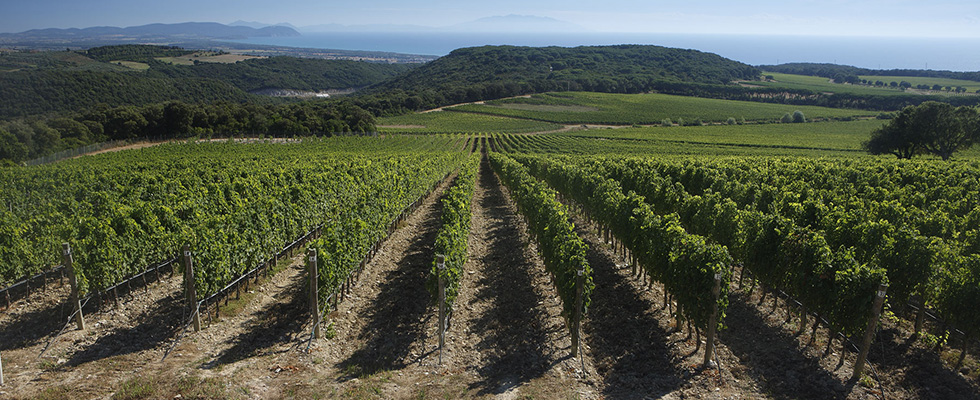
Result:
771,242
644,109
233,208
824,136
455,122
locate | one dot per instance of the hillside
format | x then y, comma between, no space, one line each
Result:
59,82
61,91
287,72
489,72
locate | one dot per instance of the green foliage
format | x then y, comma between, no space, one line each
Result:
685,263
284,73
933,127
493,72
562,250
179,120
781,252
134,52
453,236
61,91
62,87
123,211
798,117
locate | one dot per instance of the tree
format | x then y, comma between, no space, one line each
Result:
954,129
896,137
798,117
932,127
786,119
11,148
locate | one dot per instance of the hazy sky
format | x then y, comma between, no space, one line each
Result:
942,18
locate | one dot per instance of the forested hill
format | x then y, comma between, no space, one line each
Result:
59,82
480,73
287,73
834,71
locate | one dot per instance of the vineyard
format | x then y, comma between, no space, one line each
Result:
627,263
619,109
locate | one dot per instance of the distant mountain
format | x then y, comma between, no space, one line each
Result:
517,23
151,32
259,25
504,23
367,28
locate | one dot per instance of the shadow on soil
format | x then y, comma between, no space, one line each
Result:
33,326
515,340
395,320
281,323
920,370
156,326
772,356
630,350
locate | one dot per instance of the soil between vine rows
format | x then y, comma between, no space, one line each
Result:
506,338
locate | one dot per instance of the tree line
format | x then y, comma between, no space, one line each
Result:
29,138
830,71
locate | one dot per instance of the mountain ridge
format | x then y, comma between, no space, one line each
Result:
184,30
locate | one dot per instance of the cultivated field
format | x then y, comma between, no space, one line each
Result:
206,57
643,109
457,122
599,263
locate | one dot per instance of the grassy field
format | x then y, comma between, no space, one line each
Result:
971,86
846,136
643,109
132,65
206,56
820,84
825,139
458,122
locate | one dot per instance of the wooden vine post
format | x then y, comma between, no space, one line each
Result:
712,322
920,316
870,331
76,304
441,266
314,298
577,316
189,290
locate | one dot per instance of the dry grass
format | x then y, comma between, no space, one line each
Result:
206,57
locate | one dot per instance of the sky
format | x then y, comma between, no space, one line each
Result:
895,18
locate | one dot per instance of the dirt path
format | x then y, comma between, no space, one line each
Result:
637,351
83,363
506,337
526,96
123,347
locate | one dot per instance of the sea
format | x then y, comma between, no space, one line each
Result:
954,54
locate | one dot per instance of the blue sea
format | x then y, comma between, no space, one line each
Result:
866,52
